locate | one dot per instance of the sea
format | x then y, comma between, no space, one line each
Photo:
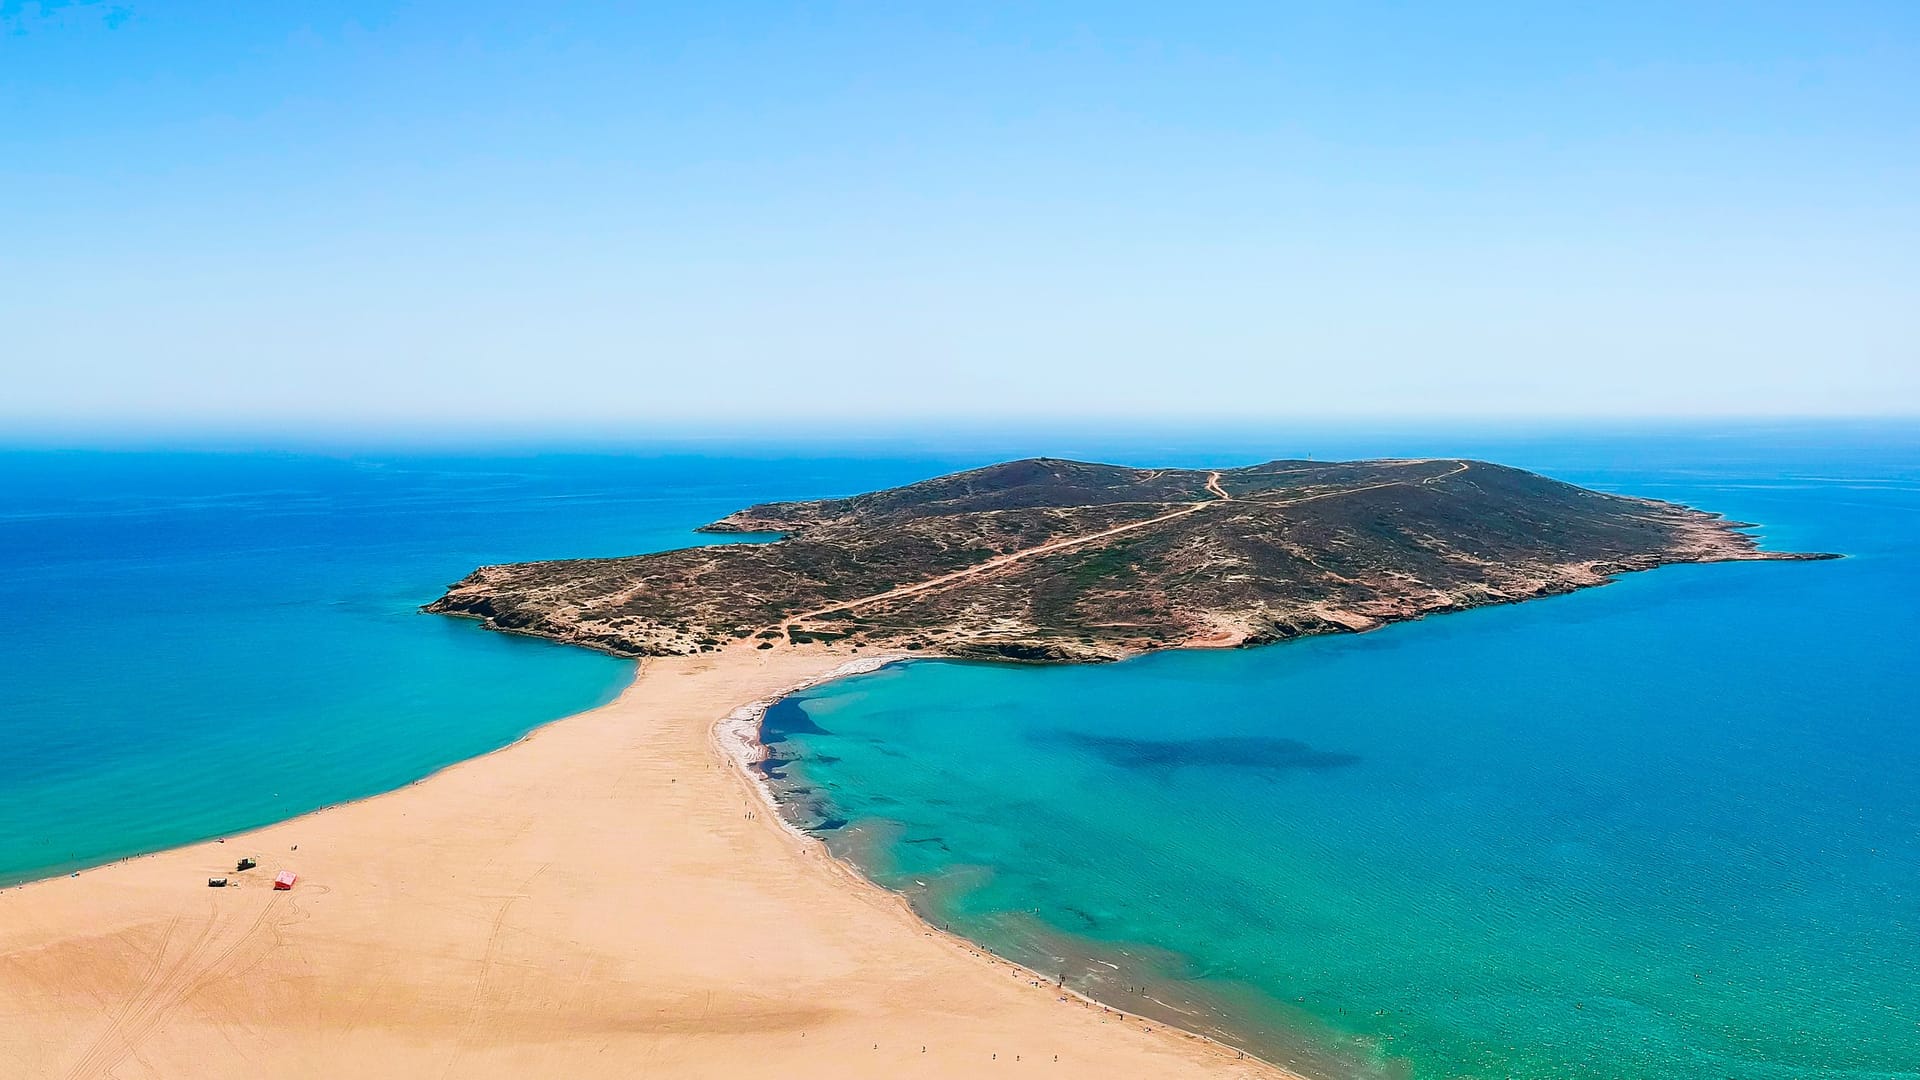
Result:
1665,828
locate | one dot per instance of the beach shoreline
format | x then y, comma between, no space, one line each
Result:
737,738
481,921
73,871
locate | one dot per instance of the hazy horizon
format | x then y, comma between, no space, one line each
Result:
1052,436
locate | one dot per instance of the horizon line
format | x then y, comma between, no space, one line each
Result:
322,435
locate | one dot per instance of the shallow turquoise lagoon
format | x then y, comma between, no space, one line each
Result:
1666,828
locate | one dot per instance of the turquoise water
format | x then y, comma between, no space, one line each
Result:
1666,828
196,643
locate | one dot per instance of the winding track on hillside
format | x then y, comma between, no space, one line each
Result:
999,562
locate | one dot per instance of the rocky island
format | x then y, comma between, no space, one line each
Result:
1052,560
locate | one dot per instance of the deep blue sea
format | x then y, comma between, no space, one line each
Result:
1666,828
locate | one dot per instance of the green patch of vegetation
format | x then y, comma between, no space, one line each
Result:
1105,563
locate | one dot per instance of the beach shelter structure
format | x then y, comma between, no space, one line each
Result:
285,879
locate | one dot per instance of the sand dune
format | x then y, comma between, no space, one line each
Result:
593,901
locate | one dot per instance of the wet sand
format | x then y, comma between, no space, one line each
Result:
608,897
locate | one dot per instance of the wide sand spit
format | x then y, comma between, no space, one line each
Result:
609,897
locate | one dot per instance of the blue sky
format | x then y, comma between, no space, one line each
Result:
557,214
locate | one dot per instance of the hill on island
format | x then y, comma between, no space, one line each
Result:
1047,559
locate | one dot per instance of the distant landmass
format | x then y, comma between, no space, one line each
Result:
1045,559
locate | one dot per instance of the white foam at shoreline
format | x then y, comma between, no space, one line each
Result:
738,733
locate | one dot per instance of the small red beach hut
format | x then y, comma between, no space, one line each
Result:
285,879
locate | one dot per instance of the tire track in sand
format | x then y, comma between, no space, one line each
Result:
164,987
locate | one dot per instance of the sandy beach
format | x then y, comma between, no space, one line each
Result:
608,897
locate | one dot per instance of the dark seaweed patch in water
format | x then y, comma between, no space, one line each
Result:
809,810
1086,917
786,718
783,720
1226,751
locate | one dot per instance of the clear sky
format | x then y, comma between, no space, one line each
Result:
542,214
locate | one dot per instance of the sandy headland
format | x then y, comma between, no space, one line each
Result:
611,896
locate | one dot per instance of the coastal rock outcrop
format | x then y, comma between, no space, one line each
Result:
1045,560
